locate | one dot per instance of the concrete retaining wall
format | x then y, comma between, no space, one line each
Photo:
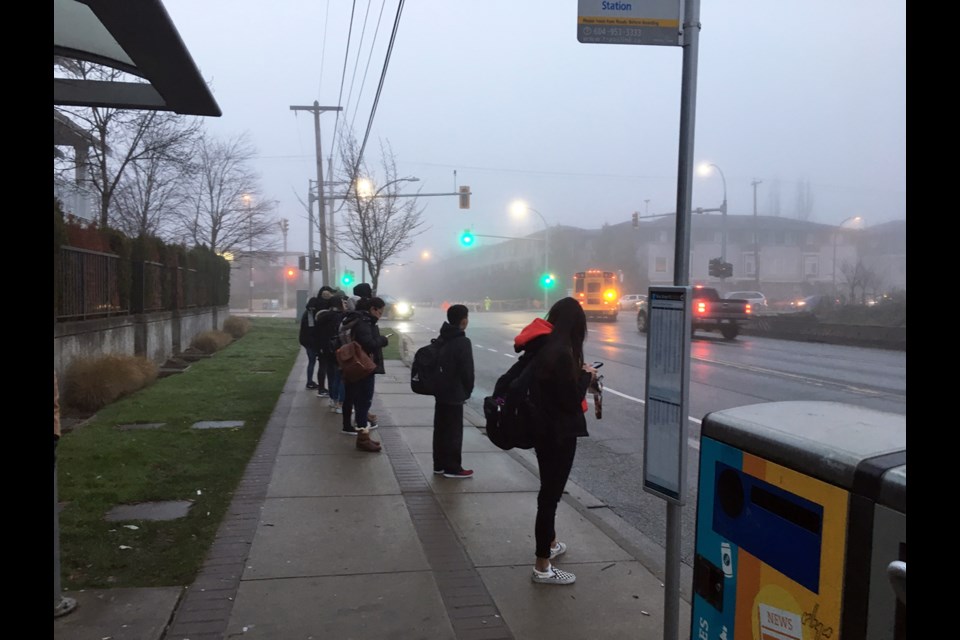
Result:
808,329
156,336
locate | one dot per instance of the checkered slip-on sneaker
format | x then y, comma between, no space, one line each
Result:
553,576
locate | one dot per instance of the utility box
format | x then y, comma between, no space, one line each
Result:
801,524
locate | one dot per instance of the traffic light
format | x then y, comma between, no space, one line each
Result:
291,273
714,269
548,280
302,263
464,197
466,238
347,278
726,270
636,220
315,261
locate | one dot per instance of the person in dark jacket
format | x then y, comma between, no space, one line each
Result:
326,325
456,363
307,338
361,326
323,364
559,389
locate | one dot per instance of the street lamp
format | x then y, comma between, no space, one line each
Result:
519,208
705,170
835,234
364,187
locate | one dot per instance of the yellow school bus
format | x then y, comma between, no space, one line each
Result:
597,292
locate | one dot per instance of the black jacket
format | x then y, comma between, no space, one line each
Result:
326,323
368,335
308,337
456,361
560,385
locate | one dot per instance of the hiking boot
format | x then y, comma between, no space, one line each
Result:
553,576
365,442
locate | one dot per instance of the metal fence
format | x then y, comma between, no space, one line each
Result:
90,286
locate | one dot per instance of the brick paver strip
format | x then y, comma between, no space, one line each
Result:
231,546
204,611
470,607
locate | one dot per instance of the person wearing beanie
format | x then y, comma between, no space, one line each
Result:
363,290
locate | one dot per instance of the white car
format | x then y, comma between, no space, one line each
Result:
757,300
629,301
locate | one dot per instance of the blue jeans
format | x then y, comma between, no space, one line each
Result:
312,355
334,379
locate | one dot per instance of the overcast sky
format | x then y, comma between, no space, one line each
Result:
499,95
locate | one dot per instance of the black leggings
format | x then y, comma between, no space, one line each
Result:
554,459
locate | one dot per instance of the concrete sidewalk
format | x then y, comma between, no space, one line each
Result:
325,541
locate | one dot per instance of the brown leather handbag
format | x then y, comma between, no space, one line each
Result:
354,362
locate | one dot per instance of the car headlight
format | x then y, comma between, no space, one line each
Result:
403,308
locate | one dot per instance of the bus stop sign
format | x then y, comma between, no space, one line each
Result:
654,22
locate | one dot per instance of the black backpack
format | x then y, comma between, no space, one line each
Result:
426,373
513,419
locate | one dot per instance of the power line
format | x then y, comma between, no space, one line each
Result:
369,58
383,75
343,75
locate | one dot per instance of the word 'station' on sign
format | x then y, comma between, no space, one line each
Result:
629,22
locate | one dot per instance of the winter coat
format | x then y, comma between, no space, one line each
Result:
307,334
326,324
366,332
456,362
559,385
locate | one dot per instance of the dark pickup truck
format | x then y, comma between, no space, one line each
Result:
710,313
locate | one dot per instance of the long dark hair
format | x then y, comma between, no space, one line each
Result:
569,327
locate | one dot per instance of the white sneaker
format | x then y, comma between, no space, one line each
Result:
558,550
553,576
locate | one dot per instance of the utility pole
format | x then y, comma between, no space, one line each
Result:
284,226
316,109
756,237
333,233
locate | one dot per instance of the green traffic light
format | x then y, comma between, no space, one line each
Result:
466,238
347,279
547,280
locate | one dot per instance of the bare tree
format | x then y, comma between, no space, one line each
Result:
225,210
860,277
153,191
121,137
804,200
380,225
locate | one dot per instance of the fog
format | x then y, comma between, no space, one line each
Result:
501,97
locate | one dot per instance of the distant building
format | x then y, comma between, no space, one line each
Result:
795,257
